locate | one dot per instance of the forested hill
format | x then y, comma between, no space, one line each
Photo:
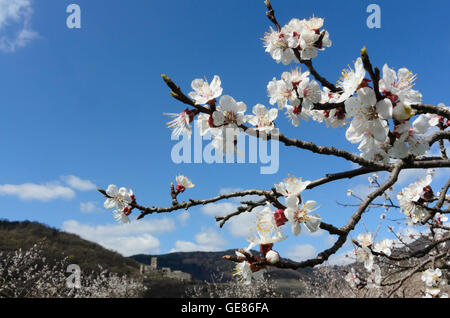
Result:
57,245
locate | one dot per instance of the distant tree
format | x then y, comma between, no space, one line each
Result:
28,274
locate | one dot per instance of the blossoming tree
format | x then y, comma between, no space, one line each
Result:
383,114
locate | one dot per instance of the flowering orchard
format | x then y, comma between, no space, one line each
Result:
28,274
383,114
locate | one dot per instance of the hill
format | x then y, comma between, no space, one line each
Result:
207,266
203,266
88,255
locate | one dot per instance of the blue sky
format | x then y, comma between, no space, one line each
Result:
83,108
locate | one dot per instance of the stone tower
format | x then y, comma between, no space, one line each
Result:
154,264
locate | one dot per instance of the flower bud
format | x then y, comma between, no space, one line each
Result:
427,193
280,218
127,211
402,112
180,188
265,248
254,267
273,257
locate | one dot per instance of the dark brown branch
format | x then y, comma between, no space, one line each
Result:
328,106
271,15
443,194
323,150
439,136
343,232
179,95
416,269
372,196
188,204
439,204
242,209
322,80
173,194
431,109
374,73
414,254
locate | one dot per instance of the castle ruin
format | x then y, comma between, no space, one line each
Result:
152,269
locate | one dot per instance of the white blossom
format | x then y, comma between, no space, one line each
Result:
432,277
121,217
295,114
263,119
118,198
310,93
204,92
364,255
400,84
369,116
300,214
181,122
229,113
244,273
352,278
410,195
267,232
351,80
282,93
365,239
183,183
384,246
276,43
291,186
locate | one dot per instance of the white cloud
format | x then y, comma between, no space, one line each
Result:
241,225
127,239
318,233
157,226
78,184
49,191
301,252
15,24
41,192
209,237
219,209
89,207
206,241
342,259
131,245
228,190
183,218
184,246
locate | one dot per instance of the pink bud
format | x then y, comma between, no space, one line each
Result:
180,188
127,211
264,248
297,110
190,113
427,193
280,218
